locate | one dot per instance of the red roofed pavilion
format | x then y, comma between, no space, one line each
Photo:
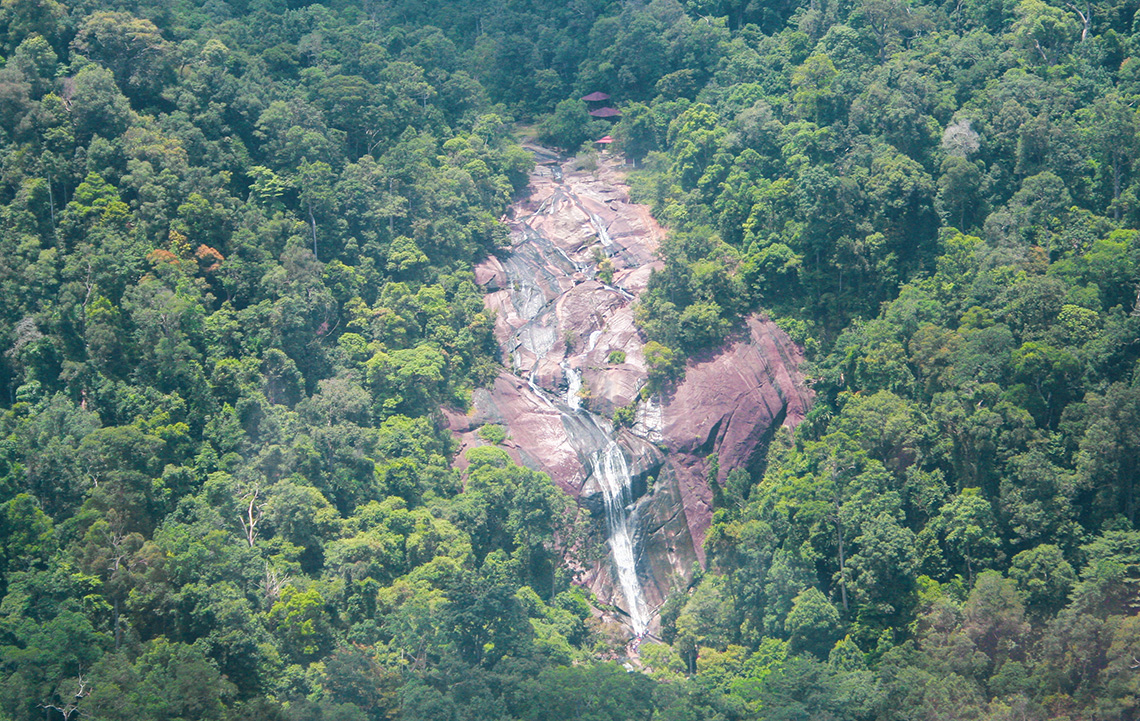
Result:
606,113
596,97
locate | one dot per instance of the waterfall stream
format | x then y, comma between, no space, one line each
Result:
540,261
609,466
613,475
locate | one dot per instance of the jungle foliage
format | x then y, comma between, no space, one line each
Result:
236,241
939,201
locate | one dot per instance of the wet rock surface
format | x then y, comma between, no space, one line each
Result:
573,355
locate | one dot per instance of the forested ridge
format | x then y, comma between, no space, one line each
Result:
236,287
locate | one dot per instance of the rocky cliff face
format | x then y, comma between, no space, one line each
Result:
560,325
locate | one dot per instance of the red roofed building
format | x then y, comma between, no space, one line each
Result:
606,113
596,97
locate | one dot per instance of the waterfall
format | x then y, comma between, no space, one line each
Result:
612,473
540,271
601,229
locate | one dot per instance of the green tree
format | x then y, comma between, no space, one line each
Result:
315,181
1107,450
1044,577
132,48
1112,126
569,127
302,623
1042,31
168,680
601,692
28,535
813,625
967,524
639,131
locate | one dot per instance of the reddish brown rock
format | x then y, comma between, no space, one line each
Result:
730,402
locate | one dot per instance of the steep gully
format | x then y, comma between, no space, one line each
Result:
560,328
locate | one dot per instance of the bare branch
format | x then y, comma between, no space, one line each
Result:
274,582
251,517
1085,17
71,708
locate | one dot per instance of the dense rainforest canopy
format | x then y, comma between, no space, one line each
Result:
236,242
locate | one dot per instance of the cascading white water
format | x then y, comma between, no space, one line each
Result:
601,230
573,386
578,267
594,335
612,472
538,392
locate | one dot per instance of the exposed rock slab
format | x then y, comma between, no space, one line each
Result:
729,403
559,325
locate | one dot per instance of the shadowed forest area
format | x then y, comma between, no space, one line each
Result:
236,242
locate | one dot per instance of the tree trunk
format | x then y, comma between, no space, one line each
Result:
1086,19
842,560
1129,499
51,207
313,224
1116,186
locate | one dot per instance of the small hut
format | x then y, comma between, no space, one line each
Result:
606,113
596,98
